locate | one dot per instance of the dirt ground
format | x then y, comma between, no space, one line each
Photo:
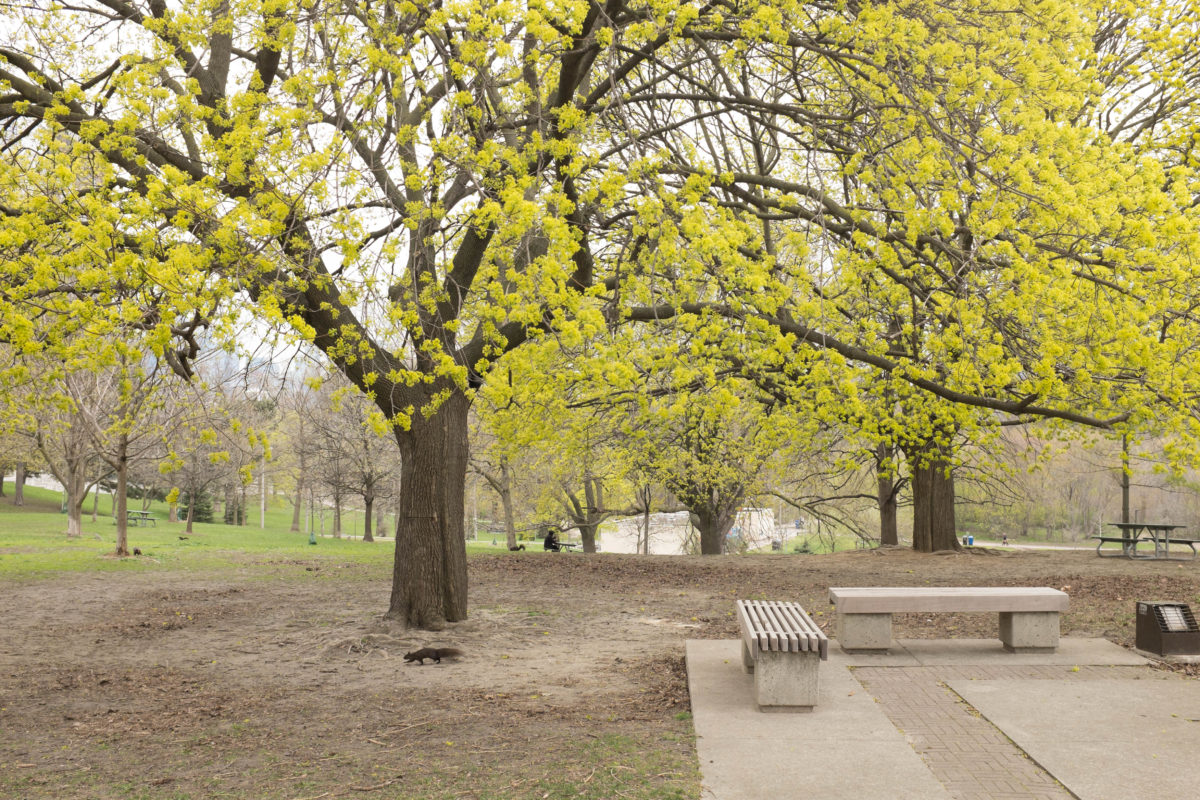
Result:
278,678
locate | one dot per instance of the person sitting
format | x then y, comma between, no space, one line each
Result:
551,541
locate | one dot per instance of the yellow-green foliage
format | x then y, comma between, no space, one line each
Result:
914,217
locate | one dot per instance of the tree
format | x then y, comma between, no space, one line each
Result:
498,474
419,189
297,400
970,233
207,447
125,424
349,440
63,437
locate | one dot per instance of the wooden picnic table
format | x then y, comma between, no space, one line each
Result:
1133,533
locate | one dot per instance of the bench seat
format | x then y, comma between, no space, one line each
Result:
1028,615
1129,546
783,647
1189,542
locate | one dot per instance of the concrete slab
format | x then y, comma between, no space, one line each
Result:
1072,651
1172,659
1103,739
897,656
846,748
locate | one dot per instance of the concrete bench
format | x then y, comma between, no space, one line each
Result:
1028,615
783,647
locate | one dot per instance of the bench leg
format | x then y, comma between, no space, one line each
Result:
786,681
1029,631
747,659
864,631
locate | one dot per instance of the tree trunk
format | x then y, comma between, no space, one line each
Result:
262,492
19,485
337,514
714,528
191,510
120,503
506,500
1125,478
298,510
886,464
933,503
76,494
594,514
587,534
429,579
96,503
368,507
644,544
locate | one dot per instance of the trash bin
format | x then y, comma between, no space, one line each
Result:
970,540
1166,629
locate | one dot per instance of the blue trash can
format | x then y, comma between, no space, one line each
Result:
970,539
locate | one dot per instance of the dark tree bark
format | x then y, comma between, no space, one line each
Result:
429,586
1125,515
644,495
298,508
885,466
504,489
19,485
300,473
368,508
933,502
713,521
120,502
587,515
501,484
337,513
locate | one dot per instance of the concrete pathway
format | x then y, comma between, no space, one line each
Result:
957,719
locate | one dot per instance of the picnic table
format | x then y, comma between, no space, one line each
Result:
1134,533
141,519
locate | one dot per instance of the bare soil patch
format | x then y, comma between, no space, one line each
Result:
279,679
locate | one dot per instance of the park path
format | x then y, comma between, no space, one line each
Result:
969,755
951,720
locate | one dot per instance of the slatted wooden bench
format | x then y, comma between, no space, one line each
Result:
783,647
1028,615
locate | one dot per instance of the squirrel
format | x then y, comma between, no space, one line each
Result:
436,653
517,547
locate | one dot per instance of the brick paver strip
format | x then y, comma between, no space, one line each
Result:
972,758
